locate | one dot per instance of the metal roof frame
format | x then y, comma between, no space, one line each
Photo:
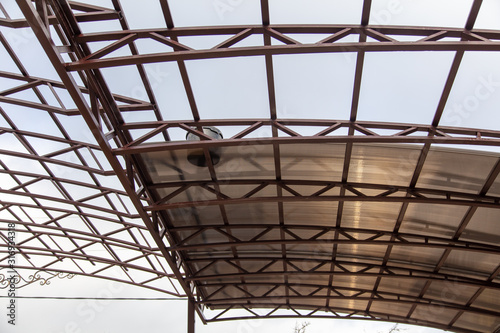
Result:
103,111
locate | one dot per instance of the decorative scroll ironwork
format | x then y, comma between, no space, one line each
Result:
19,281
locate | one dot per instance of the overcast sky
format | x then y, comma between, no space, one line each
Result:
152,316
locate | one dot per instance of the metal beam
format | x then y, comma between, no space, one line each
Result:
57,62
487,41
190,317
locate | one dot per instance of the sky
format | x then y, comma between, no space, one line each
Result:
397,78
153,316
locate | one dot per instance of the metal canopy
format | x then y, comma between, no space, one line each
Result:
337,217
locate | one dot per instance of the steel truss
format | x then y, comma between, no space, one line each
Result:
194,259
430,40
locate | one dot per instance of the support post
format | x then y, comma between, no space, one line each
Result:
190,318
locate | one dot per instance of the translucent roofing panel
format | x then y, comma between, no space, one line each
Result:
487,299
317,162
482,227
168,166
190,216
451,171
379,165
429,219
416,255
428,314
370,215
485,263
397,308
314,213
394,284
477,322
241,162
261,213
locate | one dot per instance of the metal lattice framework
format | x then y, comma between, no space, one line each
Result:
192,234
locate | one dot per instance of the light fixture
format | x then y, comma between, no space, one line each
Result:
197,156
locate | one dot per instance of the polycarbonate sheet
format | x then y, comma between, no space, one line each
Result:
239,190
260,250
488,299
353,281
477,322
250,233
495,188
192,216
379,164
418,255
317,250
165,166
246,162
196,194
208,236
473,262
432,219
362,251
450,292
255,265
395,307
370,215
253,213
395,285
483,227
433,314
310,213
312,162
456,170
219,268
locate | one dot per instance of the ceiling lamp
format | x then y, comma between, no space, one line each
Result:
197,156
